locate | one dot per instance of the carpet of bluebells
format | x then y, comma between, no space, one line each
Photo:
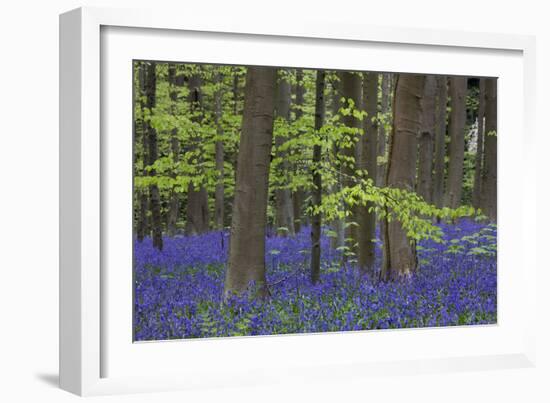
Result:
178,292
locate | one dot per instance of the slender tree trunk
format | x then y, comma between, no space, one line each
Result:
453,194
249,218
174,204
142,224
351,90
400,251
317,192
150,102
298,195
368,160
426,140
476,197
440,134
337,225
382,135
489,180
284,209
219,150
198,216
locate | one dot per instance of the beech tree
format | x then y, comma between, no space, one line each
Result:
399,250
246,262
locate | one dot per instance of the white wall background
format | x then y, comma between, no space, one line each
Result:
29,197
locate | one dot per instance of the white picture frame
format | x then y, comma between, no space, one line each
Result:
88,338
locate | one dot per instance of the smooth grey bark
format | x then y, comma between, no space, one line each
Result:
174,204
453,192
439,142
426,140
246,262
351,90
198,216
298,195
219,154
476,196
489,180
337,225
284,209
368,160
154,194
399,251
385,107
317,192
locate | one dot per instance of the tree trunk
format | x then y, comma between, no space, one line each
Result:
219,150
317,192
440,134
284,209
298,195
336,225
382,135
249,219
489,181
142,225
150,102
198,216
477,191
174,204
400,251
453,194
426,141
351,90
368,160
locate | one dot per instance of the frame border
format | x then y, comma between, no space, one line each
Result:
80,258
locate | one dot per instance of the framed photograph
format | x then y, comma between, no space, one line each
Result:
237,197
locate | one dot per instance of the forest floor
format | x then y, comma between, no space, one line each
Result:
178,292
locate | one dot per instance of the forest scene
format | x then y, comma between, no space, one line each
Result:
274,200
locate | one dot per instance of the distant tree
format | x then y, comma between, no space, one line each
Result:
476,198
399,250
198,216
317,191
219,152
426,140
366,217
453,193
154,194
489,179
140,127
249,219
284,209
439,143
352,94
385,113
299,104
337,224
174,82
